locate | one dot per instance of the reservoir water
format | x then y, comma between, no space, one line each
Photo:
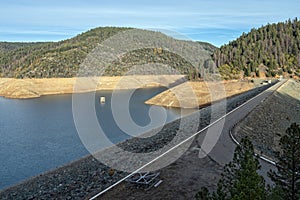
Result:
37,135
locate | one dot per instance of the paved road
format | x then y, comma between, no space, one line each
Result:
189,173
224,149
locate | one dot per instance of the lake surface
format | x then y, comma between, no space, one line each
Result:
37,135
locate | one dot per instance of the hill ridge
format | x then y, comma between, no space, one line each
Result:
273,49
62,59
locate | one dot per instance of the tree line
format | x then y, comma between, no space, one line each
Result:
276,46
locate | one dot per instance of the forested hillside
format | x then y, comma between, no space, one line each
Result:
274,48
62,59
50,59
9,46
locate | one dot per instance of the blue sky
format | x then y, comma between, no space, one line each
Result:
217,22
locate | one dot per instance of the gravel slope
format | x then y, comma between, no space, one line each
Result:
268,122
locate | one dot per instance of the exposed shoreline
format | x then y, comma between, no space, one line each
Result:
34,88
199,94
181,93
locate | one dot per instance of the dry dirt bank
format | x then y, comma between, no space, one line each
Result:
32,88
182,95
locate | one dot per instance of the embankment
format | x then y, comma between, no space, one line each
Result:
269,121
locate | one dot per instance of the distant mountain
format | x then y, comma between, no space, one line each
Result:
62,59
274,48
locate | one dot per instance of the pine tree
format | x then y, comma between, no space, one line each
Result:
240,179
287,176
268,45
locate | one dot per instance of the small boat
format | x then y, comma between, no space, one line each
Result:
102,99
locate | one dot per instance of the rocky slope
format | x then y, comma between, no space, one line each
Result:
268,122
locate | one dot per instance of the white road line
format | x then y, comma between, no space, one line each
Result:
195,134
260,156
